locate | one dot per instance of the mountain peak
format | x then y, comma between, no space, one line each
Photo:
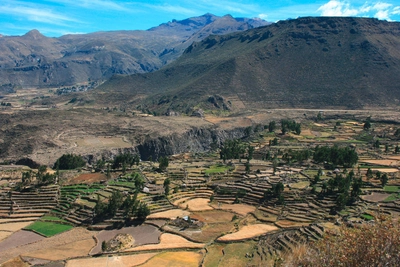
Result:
34,34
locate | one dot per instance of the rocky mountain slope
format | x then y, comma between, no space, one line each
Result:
33,60
308,62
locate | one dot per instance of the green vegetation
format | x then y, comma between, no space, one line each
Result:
391,188
344,156
69,162
216,169
52,218
48,228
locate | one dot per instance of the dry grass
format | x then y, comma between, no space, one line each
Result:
368,245
169,214
383,162
248,231
241,209
375,197
168,241
114,261
13,227
64,251
196,204
175,259
212,216
16,262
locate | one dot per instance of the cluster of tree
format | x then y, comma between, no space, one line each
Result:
232,149
130,206
297,155
347,189
367,124
271,126
69,162
125,159
163,163
290,125
4,104
344,156
275,192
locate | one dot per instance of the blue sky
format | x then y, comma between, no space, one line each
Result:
59,17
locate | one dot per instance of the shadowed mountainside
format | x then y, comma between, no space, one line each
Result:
34,60
308,62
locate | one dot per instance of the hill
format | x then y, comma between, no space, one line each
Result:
309,62
34,60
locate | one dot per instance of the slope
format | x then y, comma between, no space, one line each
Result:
307,62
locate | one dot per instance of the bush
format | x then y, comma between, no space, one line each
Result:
367,245
69,162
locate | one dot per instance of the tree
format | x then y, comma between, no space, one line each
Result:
247,167
369,173
69,162
143,211
114,203
167,182
272,126
26,178
163,163
367,125
397,149
384,179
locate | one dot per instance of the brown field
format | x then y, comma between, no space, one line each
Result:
386,170
13,227
394,157
102,142
169,214
375,197
234,255
383,162
36,242
212,231
64,251
196,204
4,234
16,262
88,178
290,224
18,239
212,216
175,259
241,209
142,234
113,261
214,254
247,232
168,241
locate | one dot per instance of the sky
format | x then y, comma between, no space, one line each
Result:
59,17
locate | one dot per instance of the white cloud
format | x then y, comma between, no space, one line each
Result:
382,14
93,4
43,15
380,10
173,9
337,8
263,16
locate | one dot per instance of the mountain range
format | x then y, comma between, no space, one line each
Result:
310,62
34,60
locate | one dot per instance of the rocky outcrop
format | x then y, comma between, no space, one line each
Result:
194,140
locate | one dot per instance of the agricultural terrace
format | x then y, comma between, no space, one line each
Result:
243,203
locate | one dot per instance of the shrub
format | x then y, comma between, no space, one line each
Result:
69,162
368,245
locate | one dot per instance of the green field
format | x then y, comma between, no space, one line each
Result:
217,169
48,228
52,218
391,188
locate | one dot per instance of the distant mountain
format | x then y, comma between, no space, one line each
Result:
33,60
307,62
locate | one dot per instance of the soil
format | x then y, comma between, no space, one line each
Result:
212,216
383,162
290,224
13,227
168,241
88,178
169,214
376,197
143,234
113,261
196,204
241,209
41,243
64,251
175,259
18,239
16,262
248,231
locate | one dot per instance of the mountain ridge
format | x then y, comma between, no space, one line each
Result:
34,60
308,62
